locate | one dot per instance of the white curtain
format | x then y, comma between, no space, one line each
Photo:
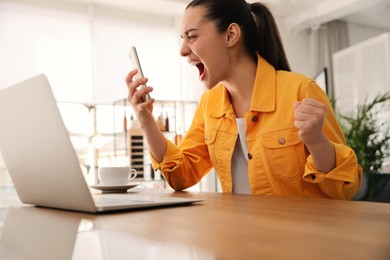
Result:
326,40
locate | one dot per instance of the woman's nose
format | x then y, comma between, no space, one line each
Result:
184,50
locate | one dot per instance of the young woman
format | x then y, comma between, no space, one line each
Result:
264,129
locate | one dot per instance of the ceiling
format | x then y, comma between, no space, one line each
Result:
296,14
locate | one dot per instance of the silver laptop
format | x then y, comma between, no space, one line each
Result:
41,160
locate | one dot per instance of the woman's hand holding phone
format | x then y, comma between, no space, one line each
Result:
143,107
138,96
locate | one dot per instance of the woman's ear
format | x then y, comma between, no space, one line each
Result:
233,33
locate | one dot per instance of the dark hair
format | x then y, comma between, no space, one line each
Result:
260,32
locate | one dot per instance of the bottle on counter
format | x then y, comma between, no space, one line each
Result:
167,122
160,122
178,136
124,124
132,122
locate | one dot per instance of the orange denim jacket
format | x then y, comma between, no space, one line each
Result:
279,164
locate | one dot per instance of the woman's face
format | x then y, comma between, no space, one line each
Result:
204,47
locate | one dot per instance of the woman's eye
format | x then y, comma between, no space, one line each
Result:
191,37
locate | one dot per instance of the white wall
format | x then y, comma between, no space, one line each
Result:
51,39
84,49
114,32
297,47
358,33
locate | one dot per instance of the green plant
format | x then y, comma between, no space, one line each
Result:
367,132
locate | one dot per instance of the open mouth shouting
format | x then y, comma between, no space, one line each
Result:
200,66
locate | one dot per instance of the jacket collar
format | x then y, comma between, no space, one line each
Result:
263,97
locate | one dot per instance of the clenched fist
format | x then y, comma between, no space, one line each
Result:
309,119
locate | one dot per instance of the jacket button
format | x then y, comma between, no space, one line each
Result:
250,156
282,141
255,118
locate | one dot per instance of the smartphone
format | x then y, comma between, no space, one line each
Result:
137,65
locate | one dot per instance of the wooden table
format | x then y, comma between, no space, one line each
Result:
228,226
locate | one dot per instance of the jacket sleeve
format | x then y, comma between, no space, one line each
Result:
184,166
344,181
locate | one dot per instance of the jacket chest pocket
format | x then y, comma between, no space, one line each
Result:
210,139
220,145
285,153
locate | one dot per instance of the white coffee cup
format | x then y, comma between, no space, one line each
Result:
116,175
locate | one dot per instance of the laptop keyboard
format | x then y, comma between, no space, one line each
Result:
102,201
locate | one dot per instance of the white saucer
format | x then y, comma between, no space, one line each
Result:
114,188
